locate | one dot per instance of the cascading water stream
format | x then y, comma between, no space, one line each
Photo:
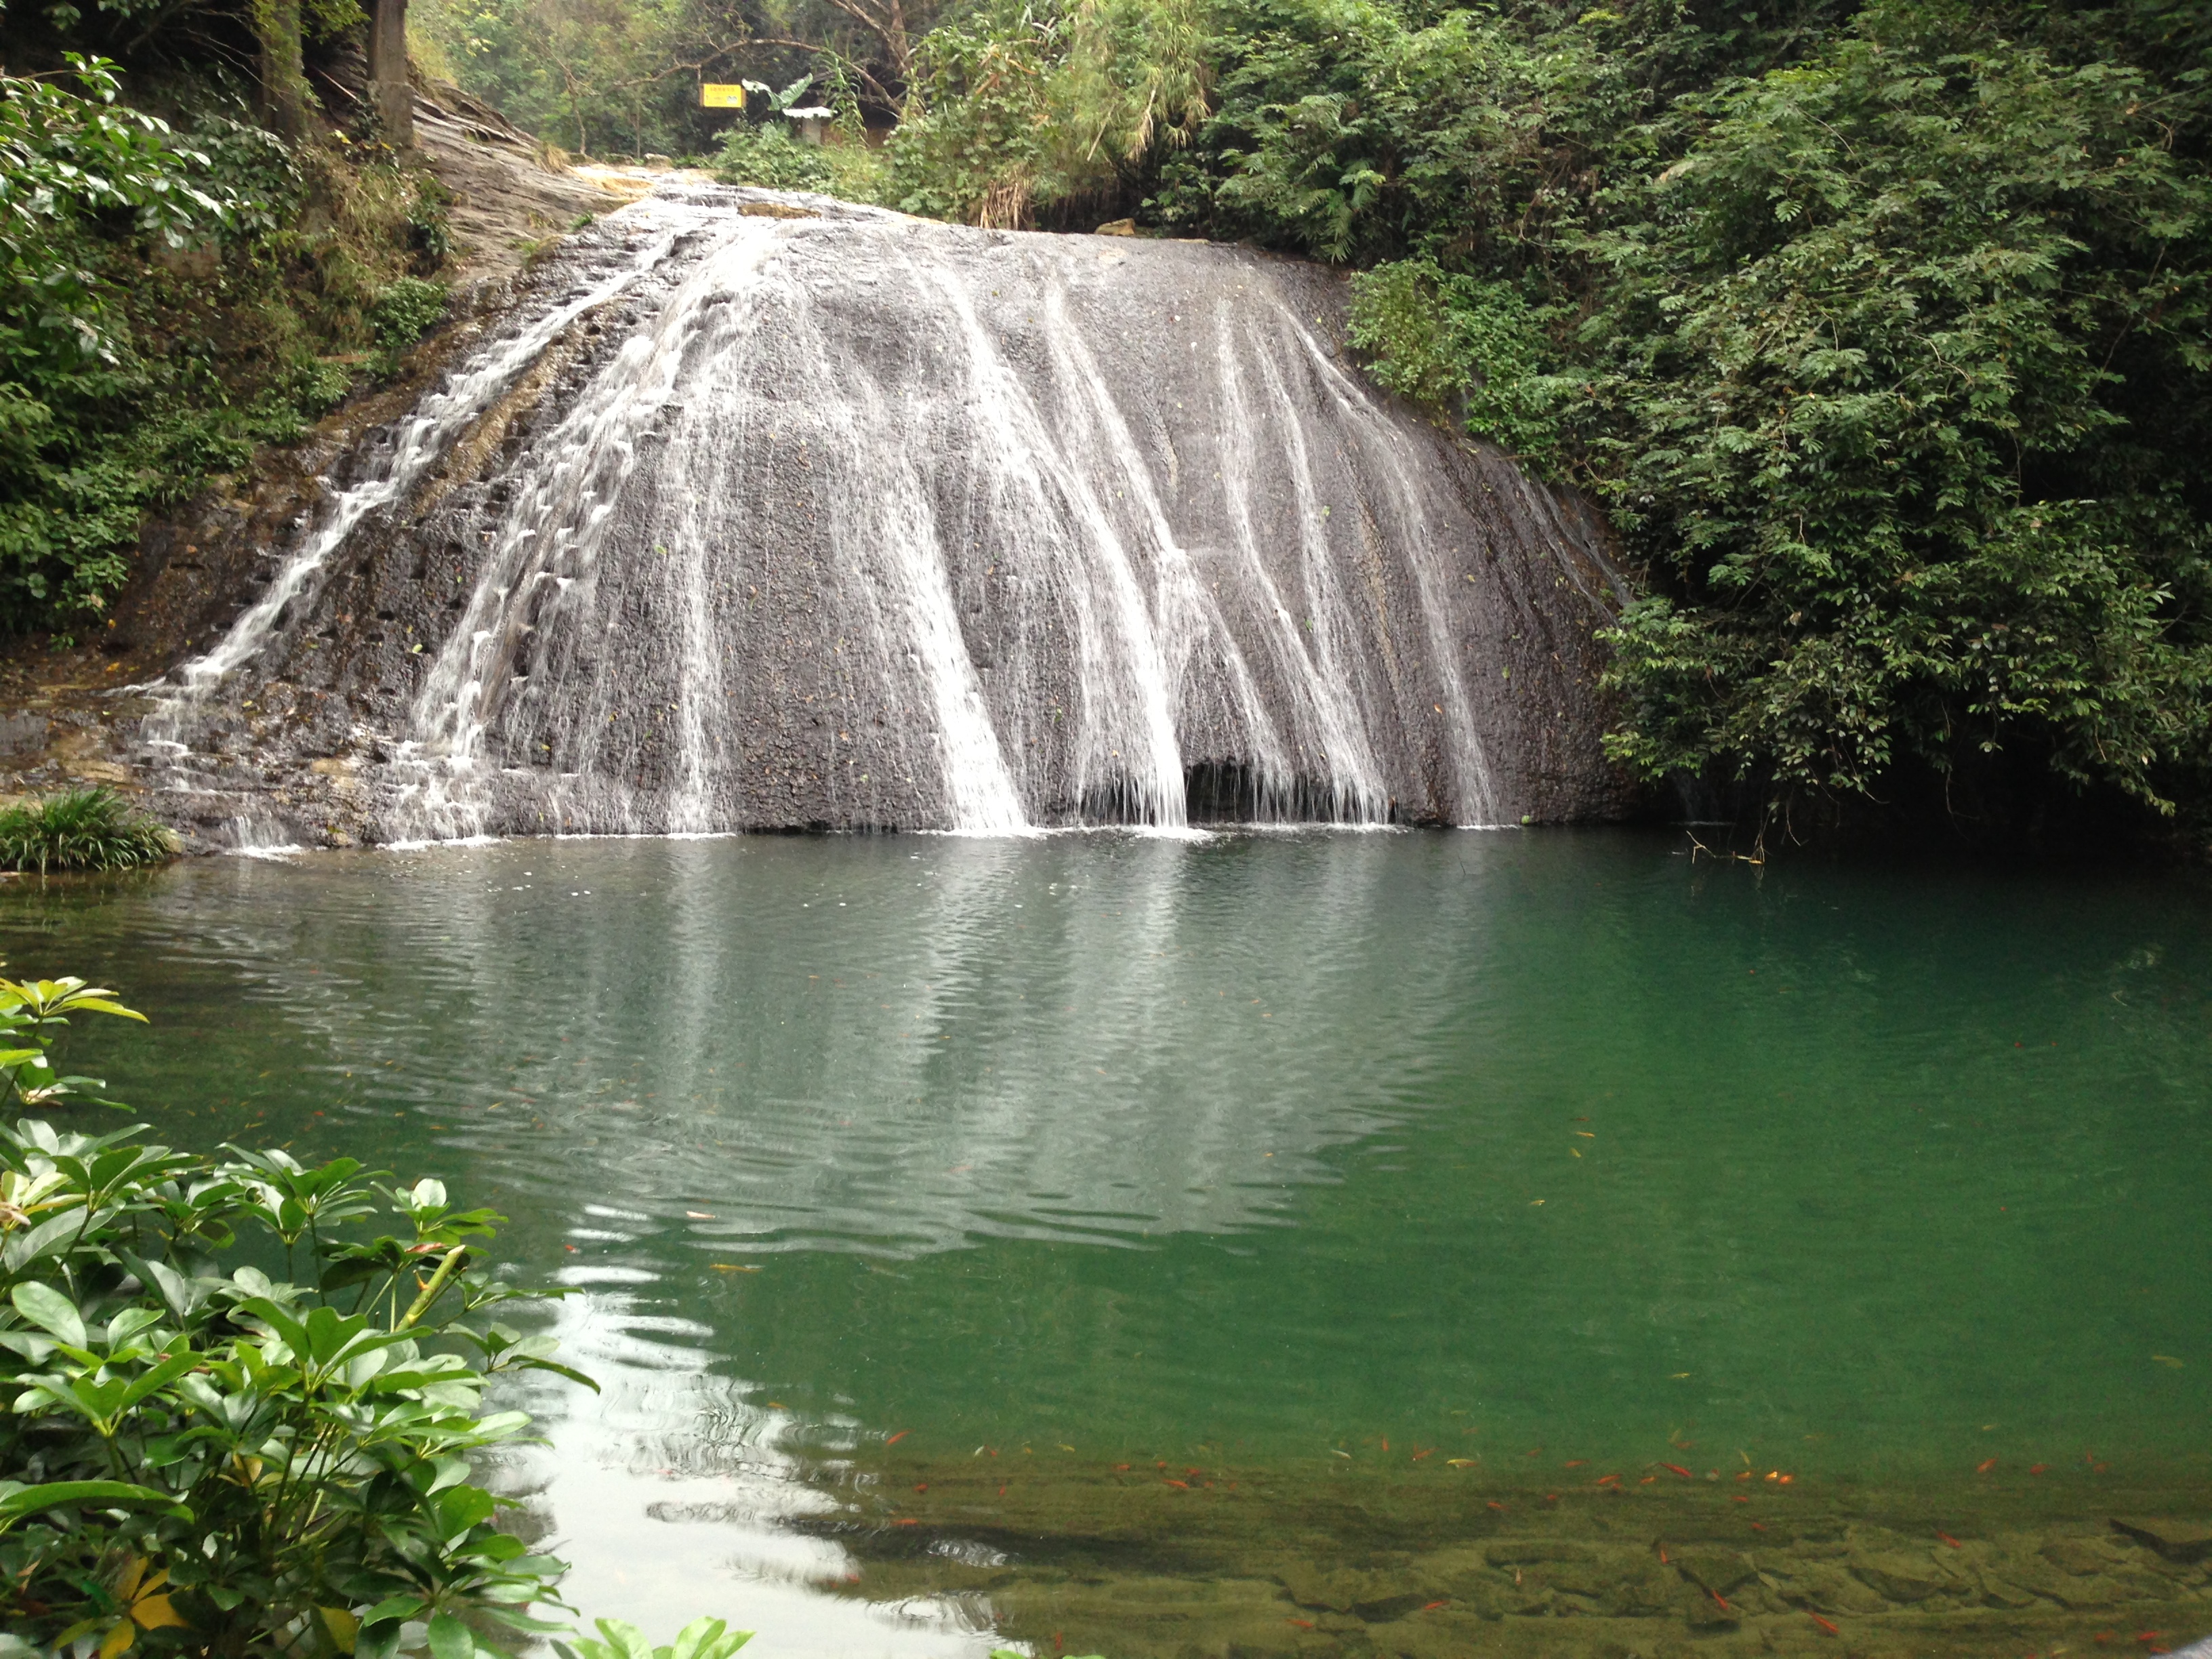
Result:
844,519
421,441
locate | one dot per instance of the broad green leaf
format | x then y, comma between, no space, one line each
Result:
160,1377
180,1293
557,1368
108,1494
394,1607
50,1237
50,1310
450,1638
99,1003
707,1639
128,1323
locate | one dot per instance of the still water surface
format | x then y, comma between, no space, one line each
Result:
1263,1153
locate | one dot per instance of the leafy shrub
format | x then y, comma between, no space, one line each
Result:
1018,108
403,313
1903,390
206,1457
69,164
167,302
765,155
83,830
1460,345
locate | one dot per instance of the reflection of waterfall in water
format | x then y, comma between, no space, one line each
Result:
675,1496
855,522
671,1054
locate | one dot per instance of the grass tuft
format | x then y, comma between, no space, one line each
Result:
82,830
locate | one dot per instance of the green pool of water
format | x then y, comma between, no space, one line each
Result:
1413,1183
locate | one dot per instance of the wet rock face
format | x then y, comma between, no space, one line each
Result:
853,521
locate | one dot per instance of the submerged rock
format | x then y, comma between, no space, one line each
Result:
2176,1541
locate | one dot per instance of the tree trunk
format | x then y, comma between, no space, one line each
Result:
390,92
284,91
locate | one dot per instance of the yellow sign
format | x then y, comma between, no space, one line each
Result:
713,96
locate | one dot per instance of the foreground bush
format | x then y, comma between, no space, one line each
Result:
245,1395
83,830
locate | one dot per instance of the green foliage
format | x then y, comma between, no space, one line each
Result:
208,1458
1359,131
82,830
599,77
164,308
69,164
702,1638
1017,108
403,313
757,152
1866,395
1458,343
405,310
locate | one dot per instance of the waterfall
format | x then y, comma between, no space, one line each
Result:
779,512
